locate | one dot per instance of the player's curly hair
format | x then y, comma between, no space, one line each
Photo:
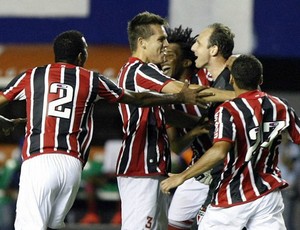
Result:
183,37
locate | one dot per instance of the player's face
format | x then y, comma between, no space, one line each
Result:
155,46
201,48
173,64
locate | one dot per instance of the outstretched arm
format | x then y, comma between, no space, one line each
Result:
219,95
150,98
208,94
211,158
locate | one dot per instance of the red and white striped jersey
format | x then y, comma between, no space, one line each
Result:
202,77
202,142
253,123
59,106
145,148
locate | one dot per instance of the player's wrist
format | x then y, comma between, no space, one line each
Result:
180,97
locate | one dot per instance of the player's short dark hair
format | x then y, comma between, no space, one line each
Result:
183,38
247,72
68,45
223,38
139,26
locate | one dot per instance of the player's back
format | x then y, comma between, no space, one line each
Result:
58,106
253,122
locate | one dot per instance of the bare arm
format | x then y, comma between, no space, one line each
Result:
208,94
211,158
219,95
8,125
180,119
3,101
150,98
181,143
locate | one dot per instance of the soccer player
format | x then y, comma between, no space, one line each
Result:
180,64
144,158
213,47
247,134
60,99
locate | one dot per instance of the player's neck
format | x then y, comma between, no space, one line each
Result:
186,74
215,68
239,91
139,56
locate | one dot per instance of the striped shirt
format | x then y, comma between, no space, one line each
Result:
253,123
145,147
59,106
201,143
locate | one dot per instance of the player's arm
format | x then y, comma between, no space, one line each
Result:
180,119
208,94
3,100
8,125
184,96
180,143
211,158
219,95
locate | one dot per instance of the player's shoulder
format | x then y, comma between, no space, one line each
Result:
151,66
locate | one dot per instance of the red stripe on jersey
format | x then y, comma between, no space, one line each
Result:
205,77
201,143
60,100
145,149
258,119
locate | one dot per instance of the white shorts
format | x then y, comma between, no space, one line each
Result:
144,206
261,214
48,187
187,201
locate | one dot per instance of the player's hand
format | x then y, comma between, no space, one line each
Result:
194,96
202,127
230,60
7,126
173,181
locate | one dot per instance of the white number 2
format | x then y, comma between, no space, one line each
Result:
55,107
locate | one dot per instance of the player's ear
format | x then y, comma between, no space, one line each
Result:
80,59
214,50
231,80
141,42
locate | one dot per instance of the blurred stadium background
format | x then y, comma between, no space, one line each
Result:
28,27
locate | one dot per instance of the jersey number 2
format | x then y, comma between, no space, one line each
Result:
56,107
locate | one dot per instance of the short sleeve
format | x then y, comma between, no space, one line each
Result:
151,78
225,129
109,90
